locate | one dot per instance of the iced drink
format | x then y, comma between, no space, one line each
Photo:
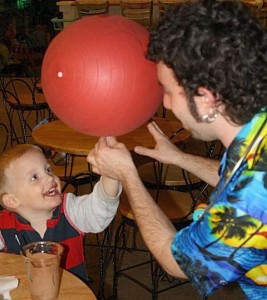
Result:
42,260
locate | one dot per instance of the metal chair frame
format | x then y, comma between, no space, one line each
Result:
103,241
28,110
80,178
4,134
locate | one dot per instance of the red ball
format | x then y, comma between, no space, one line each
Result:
96,78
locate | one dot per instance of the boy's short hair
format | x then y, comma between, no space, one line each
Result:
8,157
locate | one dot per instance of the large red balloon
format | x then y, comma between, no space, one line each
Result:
96,78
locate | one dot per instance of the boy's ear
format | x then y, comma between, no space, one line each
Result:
10,201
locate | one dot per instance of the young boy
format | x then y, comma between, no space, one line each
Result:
35,209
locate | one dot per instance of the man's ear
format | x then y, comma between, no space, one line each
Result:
205,102
10,201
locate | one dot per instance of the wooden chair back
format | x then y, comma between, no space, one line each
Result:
90,9
140,12
164,5
25,108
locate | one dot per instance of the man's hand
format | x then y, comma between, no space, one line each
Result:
164,151
111,158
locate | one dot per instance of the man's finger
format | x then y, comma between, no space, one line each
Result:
102,142
155,130
111,141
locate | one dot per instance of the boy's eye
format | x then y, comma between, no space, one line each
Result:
48,170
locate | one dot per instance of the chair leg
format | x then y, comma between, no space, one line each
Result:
120,234
160,280
155,278
121,245
106,256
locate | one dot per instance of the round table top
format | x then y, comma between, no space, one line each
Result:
71,286
58,136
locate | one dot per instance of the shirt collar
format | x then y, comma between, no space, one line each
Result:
241,142
56,213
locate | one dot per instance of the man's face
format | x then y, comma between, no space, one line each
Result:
31,180
174,99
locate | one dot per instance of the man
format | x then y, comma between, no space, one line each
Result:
211,61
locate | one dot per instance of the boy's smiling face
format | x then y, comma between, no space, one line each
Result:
31,181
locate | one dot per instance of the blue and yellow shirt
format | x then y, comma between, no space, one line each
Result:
229,242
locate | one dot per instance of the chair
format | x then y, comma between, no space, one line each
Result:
4,136
103,242
86,9
259,10
38,86
164,5
261,15
140,12
25,108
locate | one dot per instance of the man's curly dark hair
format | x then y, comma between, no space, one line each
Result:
217,45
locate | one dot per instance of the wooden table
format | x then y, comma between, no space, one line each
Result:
58,136
71,286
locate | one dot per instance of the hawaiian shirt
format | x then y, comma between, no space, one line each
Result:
229,241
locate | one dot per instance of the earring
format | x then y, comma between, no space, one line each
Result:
210,117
